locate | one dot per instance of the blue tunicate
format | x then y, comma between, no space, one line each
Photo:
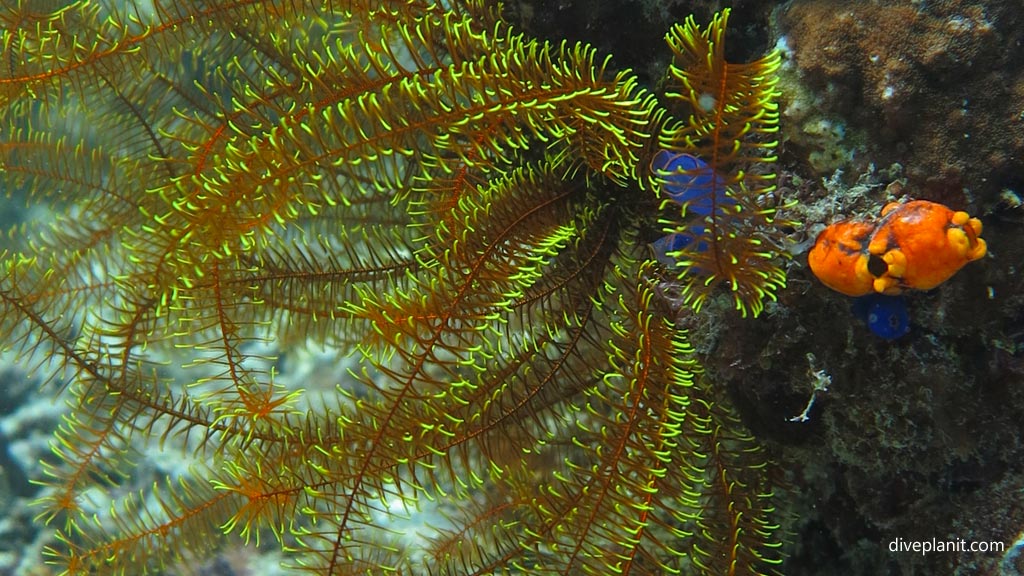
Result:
689,180
666,244
886,316
675,242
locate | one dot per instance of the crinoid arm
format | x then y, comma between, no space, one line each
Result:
732,128
442,211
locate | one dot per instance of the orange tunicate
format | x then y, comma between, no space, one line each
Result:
917,245
838,258
933,241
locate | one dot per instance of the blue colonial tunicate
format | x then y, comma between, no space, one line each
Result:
886,316
676,242
690,182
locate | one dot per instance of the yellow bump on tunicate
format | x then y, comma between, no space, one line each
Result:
861,268
975,225
958,240
884,284
878,245
960,218
980,249
897,262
